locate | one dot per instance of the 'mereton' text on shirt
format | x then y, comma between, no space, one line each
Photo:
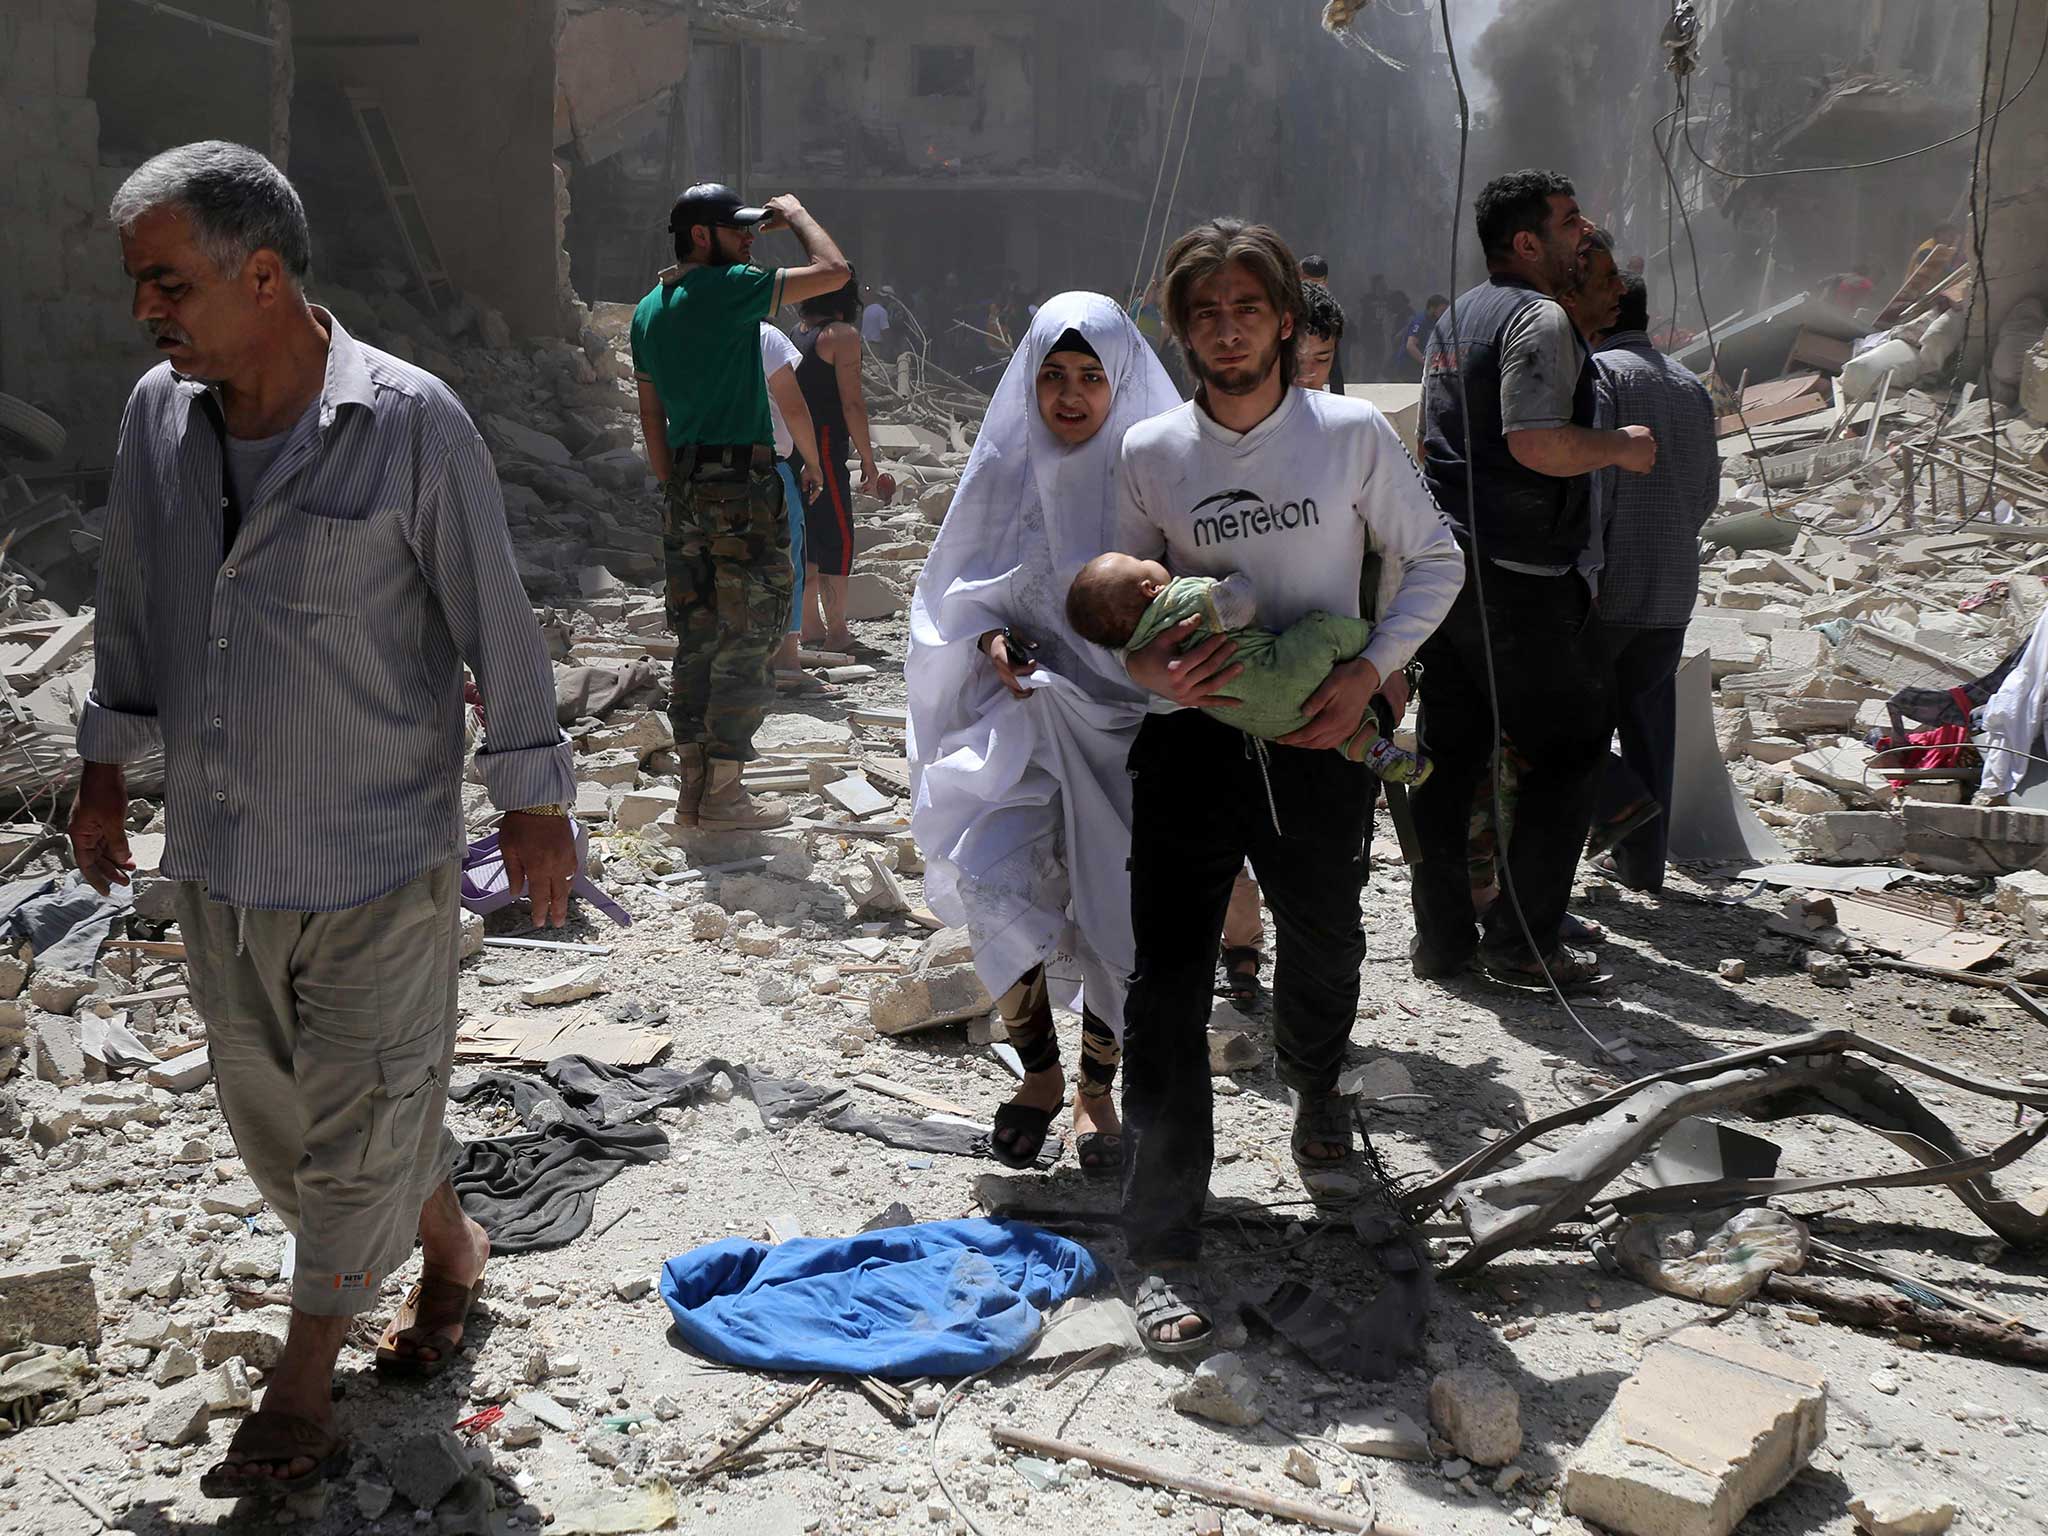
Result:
1244,514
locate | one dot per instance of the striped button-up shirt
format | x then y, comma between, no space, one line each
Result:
305,684
1651,573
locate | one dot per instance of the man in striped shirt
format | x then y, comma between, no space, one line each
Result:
305,543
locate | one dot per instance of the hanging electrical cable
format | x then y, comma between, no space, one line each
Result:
1615,1050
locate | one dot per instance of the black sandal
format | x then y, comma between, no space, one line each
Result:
1026,1139
1240,988
1322,1118
1167,1297
1101,1153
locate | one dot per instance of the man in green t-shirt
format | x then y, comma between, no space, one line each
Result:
725,535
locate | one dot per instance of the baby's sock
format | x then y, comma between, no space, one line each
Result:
1393,764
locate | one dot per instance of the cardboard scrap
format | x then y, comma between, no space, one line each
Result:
539,1040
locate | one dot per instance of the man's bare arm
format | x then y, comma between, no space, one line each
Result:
1563,452
828,269
846,370
803,434
654,427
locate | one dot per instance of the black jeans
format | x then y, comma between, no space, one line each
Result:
1645,665
1202,806
1556,706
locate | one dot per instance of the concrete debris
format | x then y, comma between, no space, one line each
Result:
254,1338
48,1304
1302,1468
1479,1412
227,1386
178,1419
569,986
1710,1425
1898,1512
422,1469
1384,1432
1221,1391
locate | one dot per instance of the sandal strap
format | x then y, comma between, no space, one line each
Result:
1162,1300
274,1435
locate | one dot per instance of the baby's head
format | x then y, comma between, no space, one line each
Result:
1111,595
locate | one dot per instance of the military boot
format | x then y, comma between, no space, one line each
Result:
727,807
689,783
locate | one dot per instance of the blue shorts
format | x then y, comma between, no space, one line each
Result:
793,504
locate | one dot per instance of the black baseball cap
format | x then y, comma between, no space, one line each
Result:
712,202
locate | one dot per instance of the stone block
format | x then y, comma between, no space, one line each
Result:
1856,837
1846,770
1974,839
186,1072
1384,1432
1710,1425
227,1386
568,986
1479,1412
1729,646
48,1304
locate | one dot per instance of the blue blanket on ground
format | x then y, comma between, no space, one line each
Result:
944,1298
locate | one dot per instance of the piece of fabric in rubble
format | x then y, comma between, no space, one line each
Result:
536,1189
1944,747
942,1298
2014,714
593,691
64,918
1023,805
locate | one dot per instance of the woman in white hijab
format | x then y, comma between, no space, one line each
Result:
1019,728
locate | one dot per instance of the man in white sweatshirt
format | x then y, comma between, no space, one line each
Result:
1293,489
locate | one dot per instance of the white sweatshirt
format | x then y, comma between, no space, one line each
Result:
1294,504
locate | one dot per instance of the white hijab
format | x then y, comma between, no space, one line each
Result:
1029,513
1022,806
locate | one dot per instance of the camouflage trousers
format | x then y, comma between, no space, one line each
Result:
726,544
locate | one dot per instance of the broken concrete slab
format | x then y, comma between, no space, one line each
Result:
1974,839
947,995
48,1304
1710,1425
1855,837
1846,770
54,1048
868,597
183,1073
179,1419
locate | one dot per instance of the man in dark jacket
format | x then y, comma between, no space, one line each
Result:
1509,447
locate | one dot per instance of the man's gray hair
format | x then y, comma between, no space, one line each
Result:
238,202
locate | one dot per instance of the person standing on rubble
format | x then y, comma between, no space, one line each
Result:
828,340
1294,489
1019,728
305,543
1509,398
1652,573
704,413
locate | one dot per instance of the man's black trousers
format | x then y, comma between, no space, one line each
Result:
1206,798
1645,662
1557,707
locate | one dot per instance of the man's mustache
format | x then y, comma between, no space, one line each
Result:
163,330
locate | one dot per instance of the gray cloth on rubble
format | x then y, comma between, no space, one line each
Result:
536,1189
64,918
594,691
939,1136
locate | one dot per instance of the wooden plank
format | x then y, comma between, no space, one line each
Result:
858,798
917,1096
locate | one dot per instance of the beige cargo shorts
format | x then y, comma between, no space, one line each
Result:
331,1035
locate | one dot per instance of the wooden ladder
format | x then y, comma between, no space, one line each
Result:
401,197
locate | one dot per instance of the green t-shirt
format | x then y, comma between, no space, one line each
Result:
698,338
